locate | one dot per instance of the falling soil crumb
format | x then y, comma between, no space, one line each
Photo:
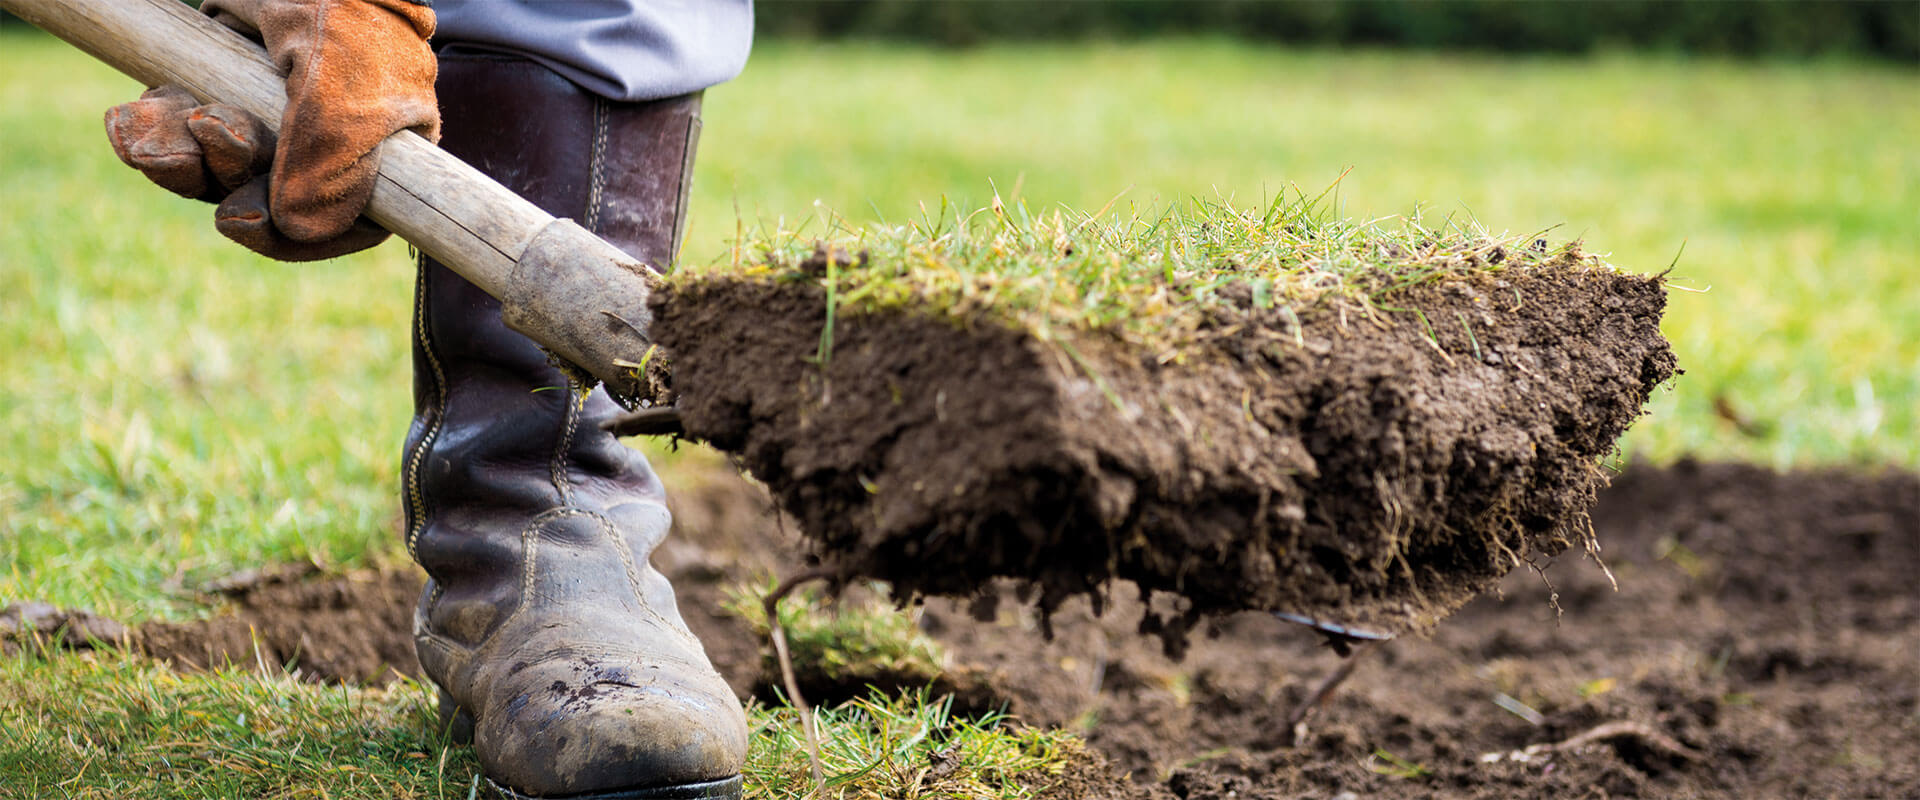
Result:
1761,644
1377,466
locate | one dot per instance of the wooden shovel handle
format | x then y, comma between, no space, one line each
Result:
446,208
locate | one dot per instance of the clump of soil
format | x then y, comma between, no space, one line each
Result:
1377,465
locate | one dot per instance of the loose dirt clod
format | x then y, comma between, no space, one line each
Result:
1376,465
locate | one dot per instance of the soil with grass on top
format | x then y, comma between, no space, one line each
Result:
1765,622
1373,466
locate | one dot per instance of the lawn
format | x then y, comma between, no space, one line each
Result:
177,409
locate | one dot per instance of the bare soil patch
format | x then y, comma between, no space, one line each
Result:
299,619
358,627
1375,466
1765,623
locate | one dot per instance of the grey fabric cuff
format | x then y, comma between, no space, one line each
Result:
625,50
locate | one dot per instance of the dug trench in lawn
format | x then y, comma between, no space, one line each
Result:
1373,457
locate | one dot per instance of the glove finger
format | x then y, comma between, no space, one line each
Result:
235,145
319,194
151,135
240,15
244,217
129,122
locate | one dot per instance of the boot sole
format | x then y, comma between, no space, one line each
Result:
457,723
724,789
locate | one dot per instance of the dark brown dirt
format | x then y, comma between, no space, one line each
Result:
1377,468
300,620
1766,623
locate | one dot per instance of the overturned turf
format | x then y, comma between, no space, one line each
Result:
1375,463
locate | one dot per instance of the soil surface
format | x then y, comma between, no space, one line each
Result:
1373,468
1763,642
299,619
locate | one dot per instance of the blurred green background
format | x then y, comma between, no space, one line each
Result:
1874,29
1773,28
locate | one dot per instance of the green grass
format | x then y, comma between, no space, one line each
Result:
1146,276
905,747
177,409
853,639
108,726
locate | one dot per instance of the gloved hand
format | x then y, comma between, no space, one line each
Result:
357,72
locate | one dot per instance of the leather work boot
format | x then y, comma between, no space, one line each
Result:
556,644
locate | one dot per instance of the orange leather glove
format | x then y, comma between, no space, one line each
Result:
357,72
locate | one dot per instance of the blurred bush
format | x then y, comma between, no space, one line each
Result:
1887,29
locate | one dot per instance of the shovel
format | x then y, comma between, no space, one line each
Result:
580,297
